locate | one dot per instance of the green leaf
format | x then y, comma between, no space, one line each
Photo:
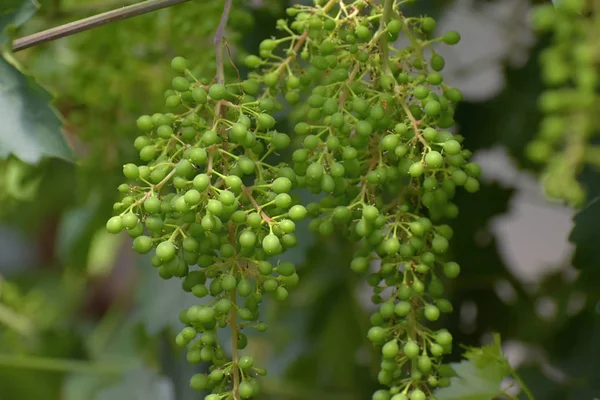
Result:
30,128
585,235
479,376
140,384
14,13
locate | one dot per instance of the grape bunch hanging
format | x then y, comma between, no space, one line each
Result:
569,102
375,141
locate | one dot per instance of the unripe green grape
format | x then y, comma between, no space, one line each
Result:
451,269
418,394
443,338
377,334
451,38
416,169
471,185
390,350
246,390
114,225
142,244
130,171
199,382
402,308
360,264
381,395
280,294
271,244
217,91
130,220
432,313
390,142
254,220
362,32
179,64
180,84
165,251
199,95
433,108
437,62
144,123
271,79
421,92
452,147
430,134
434,159
411,350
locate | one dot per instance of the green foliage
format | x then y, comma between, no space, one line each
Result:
479,376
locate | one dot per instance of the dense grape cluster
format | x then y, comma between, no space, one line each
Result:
569,103
374,143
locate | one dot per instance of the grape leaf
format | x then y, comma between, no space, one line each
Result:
30,128
585,234
140,384
479,376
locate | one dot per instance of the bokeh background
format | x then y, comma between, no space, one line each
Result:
82,317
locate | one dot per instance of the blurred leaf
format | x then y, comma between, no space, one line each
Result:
586,235
104,248
479,377
140,384
16,181
73,225
14,13
83,386
159,301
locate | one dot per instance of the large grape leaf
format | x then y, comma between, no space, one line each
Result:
29,127
479,376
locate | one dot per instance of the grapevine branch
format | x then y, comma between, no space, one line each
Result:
219,47
92,22
219,41
385,19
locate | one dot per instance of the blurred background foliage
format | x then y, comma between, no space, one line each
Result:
81,317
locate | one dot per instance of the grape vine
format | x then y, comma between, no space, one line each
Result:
216,204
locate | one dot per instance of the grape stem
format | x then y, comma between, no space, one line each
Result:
248,193
524,387
92,22
385,19
234,347
218,41
301,39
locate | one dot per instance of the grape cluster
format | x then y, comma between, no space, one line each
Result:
569,104
374,142
205,197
